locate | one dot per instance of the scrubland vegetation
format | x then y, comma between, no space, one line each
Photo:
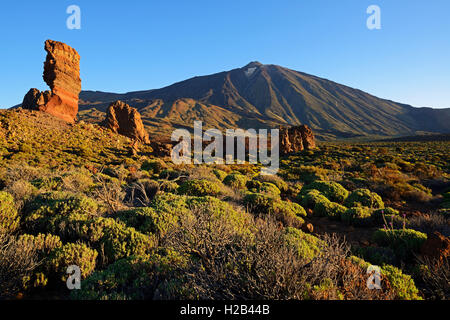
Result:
140,227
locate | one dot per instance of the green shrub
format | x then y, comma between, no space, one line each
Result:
388,214
168,186
276,180
115,239
235,181
329,209
330,189
311,198
73,254
50,212
364,198
306,245
9,219
258,203
268,189
217,209
359,216
309,174
48,183
132,278
294,190
171,174
78,181
401,284
288,213
200,188
404,242
220,174
162,214
376,255
42,243
154,165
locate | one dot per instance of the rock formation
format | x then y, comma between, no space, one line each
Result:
62,75
125,120
436,246
296,139
162,149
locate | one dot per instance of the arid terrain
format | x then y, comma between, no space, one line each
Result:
362,182
141,227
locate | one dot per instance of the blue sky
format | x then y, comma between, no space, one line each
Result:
138,45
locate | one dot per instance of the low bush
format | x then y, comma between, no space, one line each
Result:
17,262
154,165
311,198
200,188
50,212
73,254
376,255
306,245
330,189
359,216
364,198
402,285
235,181
9,218
132,278
42,243
268,189
276,180
329,209
220,174
114,239
168,186
288,213
404,242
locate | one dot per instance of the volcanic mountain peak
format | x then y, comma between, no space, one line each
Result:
269,95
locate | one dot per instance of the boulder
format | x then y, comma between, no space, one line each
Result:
62,75
162,149
296,139
126,120
436,246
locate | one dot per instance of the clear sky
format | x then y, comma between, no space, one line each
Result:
138,45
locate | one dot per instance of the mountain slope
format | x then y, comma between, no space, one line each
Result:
267,95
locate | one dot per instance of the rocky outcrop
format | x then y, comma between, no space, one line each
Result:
162,149
296,139
62,75
125,120
436,246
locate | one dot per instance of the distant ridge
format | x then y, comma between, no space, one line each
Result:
260,95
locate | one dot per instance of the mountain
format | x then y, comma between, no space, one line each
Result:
260,95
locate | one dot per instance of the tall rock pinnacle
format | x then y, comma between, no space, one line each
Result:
62,75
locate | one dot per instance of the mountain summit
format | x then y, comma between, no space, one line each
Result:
260,95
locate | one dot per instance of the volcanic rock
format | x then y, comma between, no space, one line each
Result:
162,149
125,120
62,75
296,139
308,228
436,246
